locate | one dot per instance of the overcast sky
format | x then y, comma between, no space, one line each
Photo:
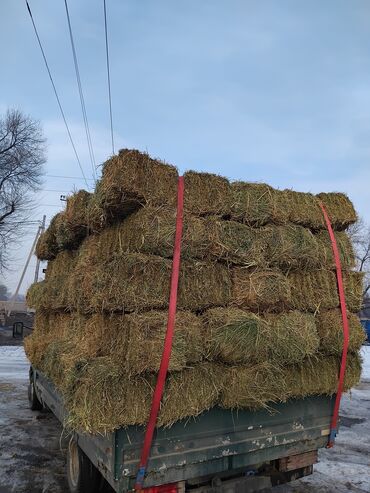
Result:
262,90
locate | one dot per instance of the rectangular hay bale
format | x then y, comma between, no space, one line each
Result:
136,282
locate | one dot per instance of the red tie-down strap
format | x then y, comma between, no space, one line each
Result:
342,299
162,374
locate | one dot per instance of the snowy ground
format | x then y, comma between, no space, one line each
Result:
31,460
32,455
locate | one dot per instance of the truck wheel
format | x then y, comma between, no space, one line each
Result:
33,400
82,475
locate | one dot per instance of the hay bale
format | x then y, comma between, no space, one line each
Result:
291,247
345,248
57,278
307,291
190,392
254,387
319,375
47,246
136,282
294,337
304,209
37,296
62,266
317,290
36,343
132,179
74,225
151,230
92,408
61,341
267,290
301,208
256,204
330,329
136,341
235,336
146,336
47,344
339,208
53,293
206,193
251,387
101,398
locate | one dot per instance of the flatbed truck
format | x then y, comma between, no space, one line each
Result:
221,451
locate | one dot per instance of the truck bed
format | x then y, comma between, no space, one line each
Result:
217,443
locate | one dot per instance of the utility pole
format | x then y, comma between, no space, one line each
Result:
14,297
41,230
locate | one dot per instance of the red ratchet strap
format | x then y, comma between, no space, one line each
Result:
342,299
161,379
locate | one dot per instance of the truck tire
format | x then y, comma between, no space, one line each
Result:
82,475
33,400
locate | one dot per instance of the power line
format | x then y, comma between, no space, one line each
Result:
69,177
82,99
108,72
56,93
58,191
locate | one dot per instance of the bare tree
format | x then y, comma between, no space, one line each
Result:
22,156
360,236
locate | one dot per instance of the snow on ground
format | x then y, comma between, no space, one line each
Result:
31,460
14,364
365,352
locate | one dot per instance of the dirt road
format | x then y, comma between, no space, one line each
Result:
32,453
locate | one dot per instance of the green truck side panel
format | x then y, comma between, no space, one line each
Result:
217,441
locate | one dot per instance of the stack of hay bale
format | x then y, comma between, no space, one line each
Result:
258,318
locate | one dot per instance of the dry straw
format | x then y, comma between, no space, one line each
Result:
133,179
136,282
73,226
47,246
258,204
345,248
319,375
259,386
133,341
260,290
151,230
330,329
291,247
258,319
101,398
235,336
317,290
